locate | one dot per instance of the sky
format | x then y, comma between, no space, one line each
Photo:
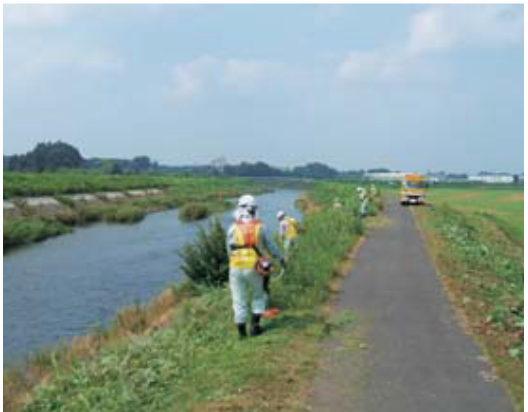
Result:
408,87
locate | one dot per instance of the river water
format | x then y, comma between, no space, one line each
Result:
64,286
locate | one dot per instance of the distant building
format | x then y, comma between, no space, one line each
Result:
493,178
456,177
436,177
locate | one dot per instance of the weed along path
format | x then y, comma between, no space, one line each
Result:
405,350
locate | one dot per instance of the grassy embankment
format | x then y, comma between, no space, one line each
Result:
474,239
504,205
61,183
205,195
196,361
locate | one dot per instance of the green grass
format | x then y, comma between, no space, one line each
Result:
124,214
506,205
40,184
483,270
61,183
194,211
19,231
197,363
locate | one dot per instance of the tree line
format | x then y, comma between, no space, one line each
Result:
55,156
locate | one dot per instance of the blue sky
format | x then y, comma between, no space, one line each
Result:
408,87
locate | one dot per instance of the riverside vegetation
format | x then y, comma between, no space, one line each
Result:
474,239
198,197
503,204
182,353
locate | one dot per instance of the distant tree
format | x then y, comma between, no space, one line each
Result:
259,169
353,174
111,166
116,169
379,170
315,171
53,156
140,164
47,156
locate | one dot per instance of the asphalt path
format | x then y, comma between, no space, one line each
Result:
406,350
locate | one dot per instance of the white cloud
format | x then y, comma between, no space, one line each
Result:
359,64
36,60
437,29
190,79
442,28
31,52
23,16
207,73
379,64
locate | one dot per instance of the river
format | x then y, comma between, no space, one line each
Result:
67,285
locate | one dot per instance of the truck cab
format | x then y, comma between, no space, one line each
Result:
413,190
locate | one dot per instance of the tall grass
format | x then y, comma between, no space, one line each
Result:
19,231
20,382
193,211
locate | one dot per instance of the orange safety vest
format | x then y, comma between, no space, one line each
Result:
247,235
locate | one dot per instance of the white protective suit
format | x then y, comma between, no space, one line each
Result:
362,193
243,280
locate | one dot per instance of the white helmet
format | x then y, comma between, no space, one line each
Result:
247,202
280,214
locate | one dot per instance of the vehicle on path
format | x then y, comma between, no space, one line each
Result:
413,190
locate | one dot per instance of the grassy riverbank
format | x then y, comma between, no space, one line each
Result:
33,224
482,268
19,231
59,183
191,359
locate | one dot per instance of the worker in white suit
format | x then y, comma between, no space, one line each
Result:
247,241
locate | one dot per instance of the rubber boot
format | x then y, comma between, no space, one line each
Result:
256,329
242,332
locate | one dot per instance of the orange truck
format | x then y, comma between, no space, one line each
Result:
413,190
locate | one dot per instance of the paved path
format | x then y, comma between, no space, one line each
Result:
415,356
